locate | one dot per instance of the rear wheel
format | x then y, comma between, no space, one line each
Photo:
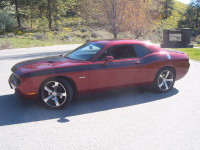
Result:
164,80
56,93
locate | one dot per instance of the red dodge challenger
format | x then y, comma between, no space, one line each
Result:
98,65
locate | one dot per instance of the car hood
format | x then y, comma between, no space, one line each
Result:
43,64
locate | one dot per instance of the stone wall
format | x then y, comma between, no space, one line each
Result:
176,38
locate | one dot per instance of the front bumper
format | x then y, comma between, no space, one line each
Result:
26,88
12,86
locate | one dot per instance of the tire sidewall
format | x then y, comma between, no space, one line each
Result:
155,84
68,89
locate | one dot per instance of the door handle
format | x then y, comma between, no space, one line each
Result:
136,62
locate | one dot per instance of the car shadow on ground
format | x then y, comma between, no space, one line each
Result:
17,111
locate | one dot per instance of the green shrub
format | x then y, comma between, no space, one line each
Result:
43,25
6,21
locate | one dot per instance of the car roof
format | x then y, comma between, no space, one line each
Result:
113,42
117,42
152,47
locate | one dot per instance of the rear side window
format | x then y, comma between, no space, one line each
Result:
140,50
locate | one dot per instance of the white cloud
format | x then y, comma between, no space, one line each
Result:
184,1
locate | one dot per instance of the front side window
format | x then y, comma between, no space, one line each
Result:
85,52
120,52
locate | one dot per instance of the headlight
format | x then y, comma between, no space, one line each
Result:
15,80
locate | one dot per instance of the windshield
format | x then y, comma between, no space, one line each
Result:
85,52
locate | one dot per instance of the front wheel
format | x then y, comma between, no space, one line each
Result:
56,93
164,80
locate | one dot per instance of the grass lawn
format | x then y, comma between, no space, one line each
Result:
193,53
22,42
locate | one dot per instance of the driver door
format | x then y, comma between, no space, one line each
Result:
122,71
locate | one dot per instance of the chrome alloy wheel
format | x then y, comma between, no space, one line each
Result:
54,94
165,80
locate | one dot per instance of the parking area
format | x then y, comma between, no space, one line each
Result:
126,119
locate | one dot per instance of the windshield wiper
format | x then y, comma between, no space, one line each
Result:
66,57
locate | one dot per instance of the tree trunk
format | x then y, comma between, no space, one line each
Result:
115,35
49,11
31,18
114,5
197,18
17,14
137,37
31,15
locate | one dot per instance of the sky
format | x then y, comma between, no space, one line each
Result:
184,1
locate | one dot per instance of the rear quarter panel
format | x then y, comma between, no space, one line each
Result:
180,61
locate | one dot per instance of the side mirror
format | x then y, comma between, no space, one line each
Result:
108,59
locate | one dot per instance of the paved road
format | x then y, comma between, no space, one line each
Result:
128,119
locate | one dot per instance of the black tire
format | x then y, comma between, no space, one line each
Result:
164,80
56,93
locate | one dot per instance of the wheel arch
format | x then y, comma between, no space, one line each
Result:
164,67
72,83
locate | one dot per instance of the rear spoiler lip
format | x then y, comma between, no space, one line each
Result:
175,51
